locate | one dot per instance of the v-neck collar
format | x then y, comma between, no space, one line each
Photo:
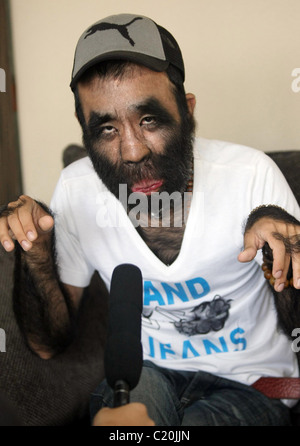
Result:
144,249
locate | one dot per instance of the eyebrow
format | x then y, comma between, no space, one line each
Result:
154,107
97,119
150,106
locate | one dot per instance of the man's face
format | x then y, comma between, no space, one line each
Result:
134,133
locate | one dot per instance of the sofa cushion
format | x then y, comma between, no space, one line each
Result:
289,164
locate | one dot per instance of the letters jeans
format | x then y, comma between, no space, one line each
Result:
179,398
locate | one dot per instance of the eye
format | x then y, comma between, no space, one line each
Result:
108,130
148,120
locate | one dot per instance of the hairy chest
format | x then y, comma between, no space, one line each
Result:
164,242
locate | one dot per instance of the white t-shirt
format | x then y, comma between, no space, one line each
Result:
206,311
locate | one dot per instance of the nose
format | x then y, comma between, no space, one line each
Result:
133,147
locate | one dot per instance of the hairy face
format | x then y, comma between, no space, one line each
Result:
134,133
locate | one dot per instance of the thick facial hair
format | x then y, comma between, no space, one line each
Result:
174,166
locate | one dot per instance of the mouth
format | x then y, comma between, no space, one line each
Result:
147,186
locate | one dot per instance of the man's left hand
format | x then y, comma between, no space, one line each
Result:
284,240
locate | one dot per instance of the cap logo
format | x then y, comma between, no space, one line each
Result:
104,26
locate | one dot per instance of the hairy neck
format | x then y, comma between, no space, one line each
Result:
164,235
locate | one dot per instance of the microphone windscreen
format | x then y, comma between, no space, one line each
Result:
123,354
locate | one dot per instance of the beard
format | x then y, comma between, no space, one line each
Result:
174,166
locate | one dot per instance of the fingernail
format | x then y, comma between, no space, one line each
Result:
277,275
25,245
30,235
280,287
6,245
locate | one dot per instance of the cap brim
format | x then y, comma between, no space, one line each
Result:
142,59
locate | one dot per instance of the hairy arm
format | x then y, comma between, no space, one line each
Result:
45,308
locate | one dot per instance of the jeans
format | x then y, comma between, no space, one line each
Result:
179,398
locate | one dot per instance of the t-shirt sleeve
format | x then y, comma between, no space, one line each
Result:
271,187
73,266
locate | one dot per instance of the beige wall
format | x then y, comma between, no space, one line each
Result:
239,57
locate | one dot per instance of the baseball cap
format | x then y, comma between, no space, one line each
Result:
127,37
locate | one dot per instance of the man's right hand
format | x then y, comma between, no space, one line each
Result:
26,221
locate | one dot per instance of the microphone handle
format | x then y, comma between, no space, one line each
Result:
121,393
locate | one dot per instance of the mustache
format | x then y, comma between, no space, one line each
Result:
149,168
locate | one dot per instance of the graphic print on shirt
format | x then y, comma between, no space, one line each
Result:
185,337
206,317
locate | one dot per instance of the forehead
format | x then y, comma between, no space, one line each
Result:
137,84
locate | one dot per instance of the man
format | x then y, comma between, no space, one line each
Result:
209,326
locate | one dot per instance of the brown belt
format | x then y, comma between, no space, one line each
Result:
279,388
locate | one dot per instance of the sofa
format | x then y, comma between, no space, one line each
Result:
56,392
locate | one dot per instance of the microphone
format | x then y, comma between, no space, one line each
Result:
123,357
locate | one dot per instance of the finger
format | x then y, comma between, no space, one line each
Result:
279,257
46,223
281,281
18,232
296,270
280,262
251,245
294,236
247,254
26,221
5,237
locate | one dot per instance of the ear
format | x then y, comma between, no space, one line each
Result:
191,102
